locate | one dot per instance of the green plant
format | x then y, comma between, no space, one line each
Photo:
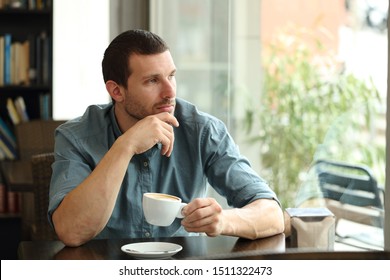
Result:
304,93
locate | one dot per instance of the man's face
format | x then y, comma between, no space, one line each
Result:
151,88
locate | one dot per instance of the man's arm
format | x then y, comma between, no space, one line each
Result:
261,218
85,211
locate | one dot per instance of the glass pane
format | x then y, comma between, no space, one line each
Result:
309,78
198,35
324,99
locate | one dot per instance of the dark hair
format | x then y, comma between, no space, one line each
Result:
116,57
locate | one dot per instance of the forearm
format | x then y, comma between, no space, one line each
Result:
85,211
261,218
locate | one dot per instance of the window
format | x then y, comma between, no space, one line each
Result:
79,42
222,51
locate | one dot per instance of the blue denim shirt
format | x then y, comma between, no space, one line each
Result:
203,152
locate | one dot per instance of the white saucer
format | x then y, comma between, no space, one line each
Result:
151,250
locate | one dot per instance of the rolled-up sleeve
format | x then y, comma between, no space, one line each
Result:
228,172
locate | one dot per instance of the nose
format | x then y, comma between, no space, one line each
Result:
169,88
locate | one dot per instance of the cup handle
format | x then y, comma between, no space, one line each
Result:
179,214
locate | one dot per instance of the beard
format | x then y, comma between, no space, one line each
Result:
138,110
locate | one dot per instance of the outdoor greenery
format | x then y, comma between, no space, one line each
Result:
310,108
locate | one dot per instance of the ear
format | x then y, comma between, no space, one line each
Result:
114,90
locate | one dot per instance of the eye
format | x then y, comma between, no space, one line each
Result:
152,81
170,77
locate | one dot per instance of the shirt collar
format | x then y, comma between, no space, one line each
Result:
115,126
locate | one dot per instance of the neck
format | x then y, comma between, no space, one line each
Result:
124,120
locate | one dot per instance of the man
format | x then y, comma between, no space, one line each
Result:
148,140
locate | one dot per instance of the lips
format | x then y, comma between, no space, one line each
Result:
166,107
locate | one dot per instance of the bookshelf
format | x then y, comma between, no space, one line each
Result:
26,73
29,74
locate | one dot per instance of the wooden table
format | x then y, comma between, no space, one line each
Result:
195,247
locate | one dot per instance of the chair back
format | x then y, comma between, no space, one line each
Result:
35,137
349,184
41,170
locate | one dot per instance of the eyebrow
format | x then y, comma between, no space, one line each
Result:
157,75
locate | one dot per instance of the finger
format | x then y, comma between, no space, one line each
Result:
198,203
199,218
168,118
209,225
166,146
167,141
170,149
203,216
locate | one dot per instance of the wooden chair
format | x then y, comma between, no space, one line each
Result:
32,137
41,171
35,137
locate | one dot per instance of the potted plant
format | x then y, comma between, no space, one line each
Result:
306,91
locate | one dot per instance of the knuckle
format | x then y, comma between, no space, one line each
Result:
218,208
197,202
212,230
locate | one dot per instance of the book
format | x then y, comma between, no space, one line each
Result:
7,148
20,62
42,59
6,151
2,155
17,4
13,202
46,61
21,109
12,112
15,58
25,63
32,4
32,72
3,197
7,132
44,106
38,58
1,61
7,58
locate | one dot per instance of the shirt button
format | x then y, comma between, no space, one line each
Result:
146,164
147,234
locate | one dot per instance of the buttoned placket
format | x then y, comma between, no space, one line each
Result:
146,184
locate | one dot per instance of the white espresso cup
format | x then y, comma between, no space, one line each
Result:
161,209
